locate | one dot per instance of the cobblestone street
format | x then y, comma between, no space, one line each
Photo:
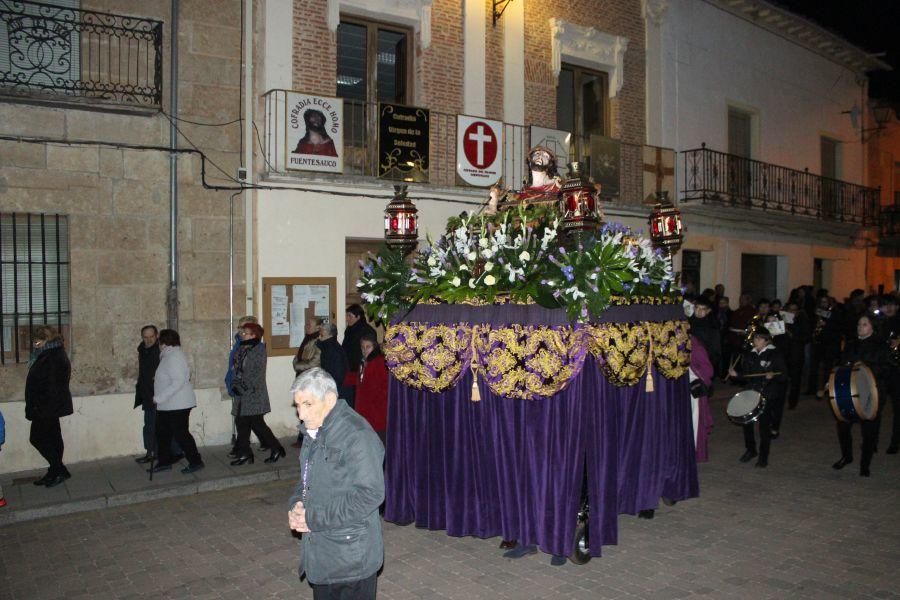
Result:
795,530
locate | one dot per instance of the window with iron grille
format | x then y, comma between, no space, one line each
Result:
34,280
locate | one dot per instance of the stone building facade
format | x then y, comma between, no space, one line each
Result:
116,200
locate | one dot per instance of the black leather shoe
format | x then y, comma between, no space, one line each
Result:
508,544
240,460
668,501
762,463
177,457
748,456
557,560
863,472
276,454
192,468
55,481
160,468
647,514
520,551
43,480
264,448
843,462
142,460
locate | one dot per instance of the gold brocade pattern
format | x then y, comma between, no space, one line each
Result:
523,361
432,357
671,347
519,361
622,351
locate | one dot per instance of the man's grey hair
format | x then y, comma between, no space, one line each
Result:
317,382
332,330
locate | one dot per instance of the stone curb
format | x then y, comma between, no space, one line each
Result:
10,517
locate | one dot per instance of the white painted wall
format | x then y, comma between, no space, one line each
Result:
108,426
303,234
723,251
701,58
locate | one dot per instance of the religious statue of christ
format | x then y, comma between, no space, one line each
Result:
542,186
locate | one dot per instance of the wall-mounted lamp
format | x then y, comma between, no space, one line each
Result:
498,7
881,114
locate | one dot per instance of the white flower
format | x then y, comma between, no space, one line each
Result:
490,280
432,261
487,253
369,297
483,242
455,281
488,266
359,283
524,256
472,283
513,272
575,292
472,255
464,267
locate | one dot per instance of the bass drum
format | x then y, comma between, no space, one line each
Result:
745,407
854,393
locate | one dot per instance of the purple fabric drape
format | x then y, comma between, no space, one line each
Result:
514,468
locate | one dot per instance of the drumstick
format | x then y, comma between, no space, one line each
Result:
731,366
773,373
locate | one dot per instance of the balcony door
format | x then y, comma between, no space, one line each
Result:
582,110
830,200
373,65
740,147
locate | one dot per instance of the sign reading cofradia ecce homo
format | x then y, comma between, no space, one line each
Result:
315,133
479,150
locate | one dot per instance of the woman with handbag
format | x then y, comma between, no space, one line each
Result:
250,397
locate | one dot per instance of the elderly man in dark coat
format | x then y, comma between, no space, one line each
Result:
335,504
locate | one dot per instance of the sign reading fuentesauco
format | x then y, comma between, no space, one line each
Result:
314,132
403,142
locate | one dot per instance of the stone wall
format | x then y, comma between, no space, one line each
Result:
117,203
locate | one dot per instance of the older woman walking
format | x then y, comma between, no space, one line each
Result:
47,399
251,397
174,397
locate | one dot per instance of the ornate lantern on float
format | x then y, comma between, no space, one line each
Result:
579,203
665,225
401,222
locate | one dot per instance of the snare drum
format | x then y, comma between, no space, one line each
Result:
853,392
746,407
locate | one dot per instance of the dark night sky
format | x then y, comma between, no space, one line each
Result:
873,25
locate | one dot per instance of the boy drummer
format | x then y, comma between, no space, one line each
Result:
765,370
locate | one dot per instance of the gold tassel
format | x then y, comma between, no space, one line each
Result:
476,395
648,386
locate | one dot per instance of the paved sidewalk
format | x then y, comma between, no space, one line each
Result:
121,481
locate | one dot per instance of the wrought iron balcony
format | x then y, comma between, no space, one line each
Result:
602,158
52,53
712,177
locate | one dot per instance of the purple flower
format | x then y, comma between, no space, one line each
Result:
569,272
645,279
562,250
557,293
627,287
367,269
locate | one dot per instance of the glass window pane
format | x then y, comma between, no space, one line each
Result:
592,97
351,61
565,101
391,63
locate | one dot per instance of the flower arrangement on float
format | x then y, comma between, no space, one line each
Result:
520,255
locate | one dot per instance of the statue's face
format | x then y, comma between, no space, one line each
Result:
540,158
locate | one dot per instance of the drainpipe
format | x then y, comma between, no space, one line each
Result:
250,276
172,292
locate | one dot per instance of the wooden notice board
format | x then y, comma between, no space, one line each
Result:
288,302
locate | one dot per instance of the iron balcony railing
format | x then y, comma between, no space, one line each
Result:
56,53
712,177
602,157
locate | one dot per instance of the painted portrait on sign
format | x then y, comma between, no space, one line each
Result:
315,133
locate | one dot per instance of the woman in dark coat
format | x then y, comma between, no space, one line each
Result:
873,351
47,399
357,327
250,397
331,356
